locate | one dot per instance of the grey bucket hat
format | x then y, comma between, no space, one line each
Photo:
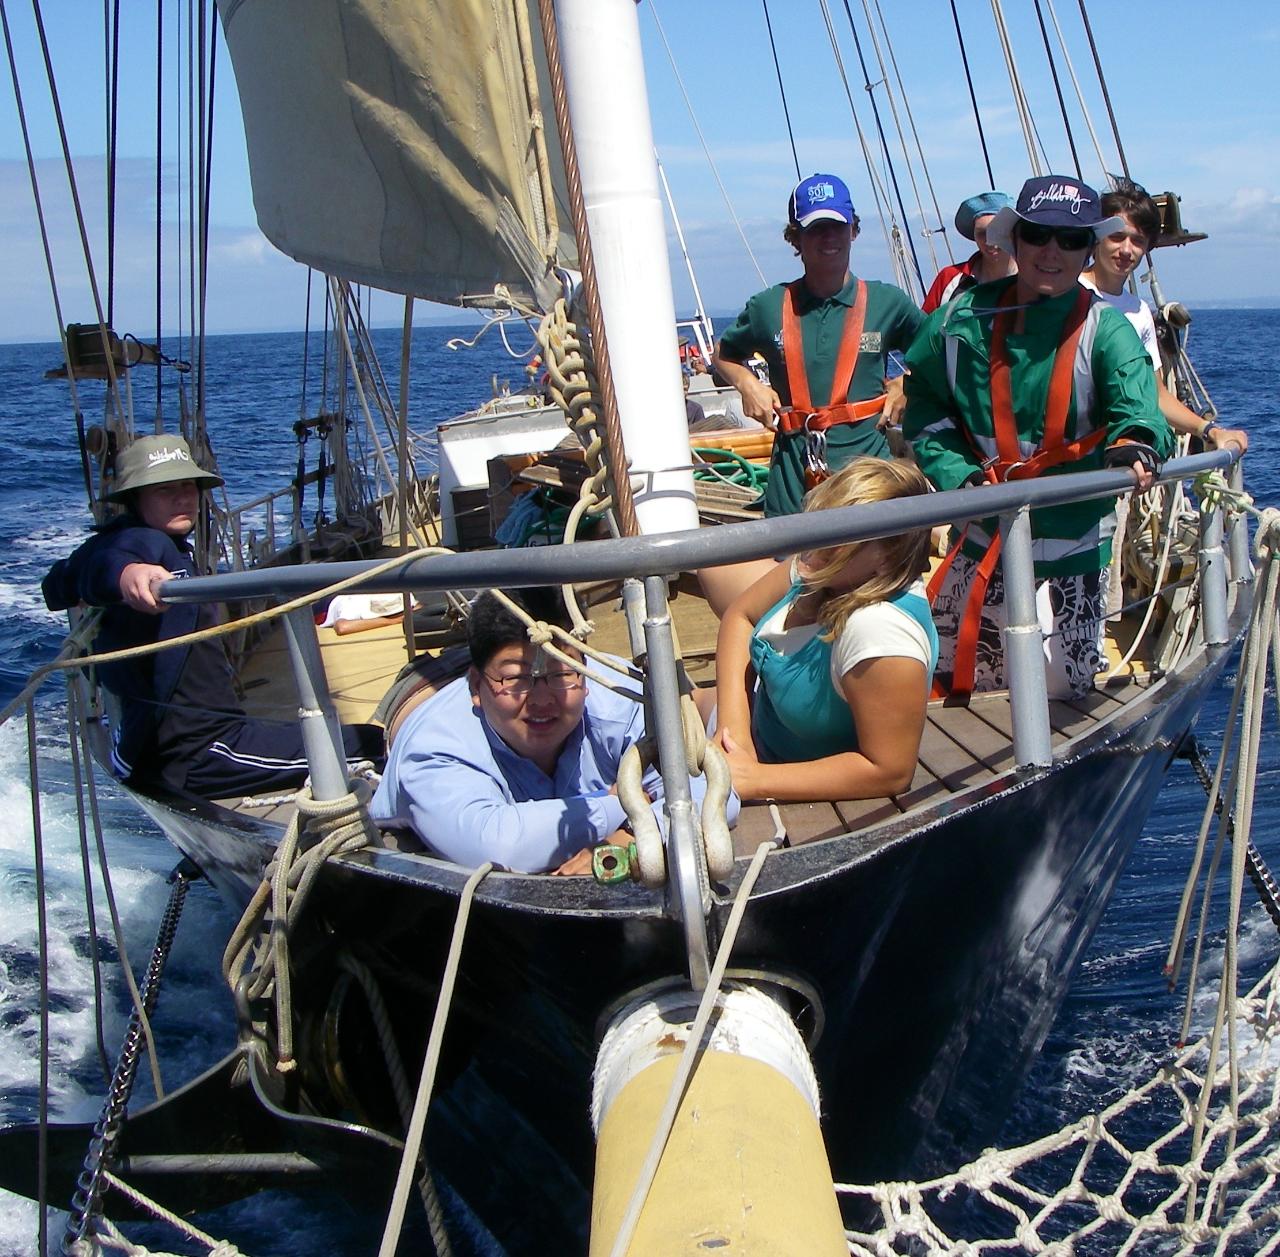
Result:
158,460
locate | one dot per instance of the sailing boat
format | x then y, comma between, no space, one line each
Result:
945,879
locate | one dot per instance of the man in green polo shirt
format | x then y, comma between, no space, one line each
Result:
842,413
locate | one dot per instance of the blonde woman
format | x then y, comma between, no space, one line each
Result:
824,665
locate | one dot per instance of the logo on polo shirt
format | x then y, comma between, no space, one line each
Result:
870,343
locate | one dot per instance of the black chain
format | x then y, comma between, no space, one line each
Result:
101,1153
1260,875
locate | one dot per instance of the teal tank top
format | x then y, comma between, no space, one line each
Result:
798,714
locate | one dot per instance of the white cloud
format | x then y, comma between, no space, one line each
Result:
246,247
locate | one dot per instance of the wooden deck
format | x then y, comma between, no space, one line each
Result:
962,746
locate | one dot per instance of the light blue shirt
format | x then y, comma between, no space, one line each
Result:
471,798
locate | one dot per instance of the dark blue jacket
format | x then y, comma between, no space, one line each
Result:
147,685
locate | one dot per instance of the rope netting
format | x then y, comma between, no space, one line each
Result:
1125,1179
1187,1161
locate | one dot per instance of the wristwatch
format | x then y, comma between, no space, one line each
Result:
1208,427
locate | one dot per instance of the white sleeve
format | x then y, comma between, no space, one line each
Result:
1145,325
877,632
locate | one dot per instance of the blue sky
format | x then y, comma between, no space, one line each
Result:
1195,92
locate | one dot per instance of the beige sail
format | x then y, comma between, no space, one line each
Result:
400,143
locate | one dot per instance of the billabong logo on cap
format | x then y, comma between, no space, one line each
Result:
157,458
1063,193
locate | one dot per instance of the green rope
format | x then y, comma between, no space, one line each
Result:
727,465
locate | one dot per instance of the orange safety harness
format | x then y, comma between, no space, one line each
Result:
802,415
1008,464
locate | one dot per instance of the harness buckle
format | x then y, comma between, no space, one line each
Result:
815,453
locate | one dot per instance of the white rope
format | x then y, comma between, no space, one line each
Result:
688,1058
113,1237
1091,1210
426,1083
1015,84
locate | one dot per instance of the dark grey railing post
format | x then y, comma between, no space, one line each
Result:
321,733
1024,645
686,867
1213,578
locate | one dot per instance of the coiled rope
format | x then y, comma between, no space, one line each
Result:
258,949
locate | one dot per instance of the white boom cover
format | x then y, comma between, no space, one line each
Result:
394,142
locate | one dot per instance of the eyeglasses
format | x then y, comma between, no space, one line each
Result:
521,684
1070,239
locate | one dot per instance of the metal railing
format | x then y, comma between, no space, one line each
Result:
1221,558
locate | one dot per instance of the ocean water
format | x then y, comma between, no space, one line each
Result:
1115,1025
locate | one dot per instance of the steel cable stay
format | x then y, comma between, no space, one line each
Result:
884,207
884,83
973,98
1075,82
48,253
702,140
1102,83
886,156
74,187
1030,136
915,135
1057,87
782,91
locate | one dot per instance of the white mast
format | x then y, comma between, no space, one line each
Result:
609,109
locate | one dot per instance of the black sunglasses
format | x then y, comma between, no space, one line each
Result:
1070,239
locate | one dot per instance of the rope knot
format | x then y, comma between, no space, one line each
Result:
540,633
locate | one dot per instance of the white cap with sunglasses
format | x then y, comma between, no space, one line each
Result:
1053,207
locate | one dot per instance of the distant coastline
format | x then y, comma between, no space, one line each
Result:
469,318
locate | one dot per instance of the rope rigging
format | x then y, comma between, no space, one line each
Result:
915,135
1075,82
884,209
870,87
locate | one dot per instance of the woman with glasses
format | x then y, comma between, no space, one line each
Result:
517,761
1032,375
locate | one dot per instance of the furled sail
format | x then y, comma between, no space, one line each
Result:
400,143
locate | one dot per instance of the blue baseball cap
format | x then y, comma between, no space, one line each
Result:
979,207
1053,201
820,198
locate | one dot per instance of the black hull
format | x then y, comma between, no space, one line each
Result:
928,956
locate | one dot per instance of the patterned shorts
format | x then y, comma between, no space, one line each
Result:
1071,610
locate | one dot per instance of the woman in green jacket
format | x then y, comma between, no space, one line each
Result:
1032,375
